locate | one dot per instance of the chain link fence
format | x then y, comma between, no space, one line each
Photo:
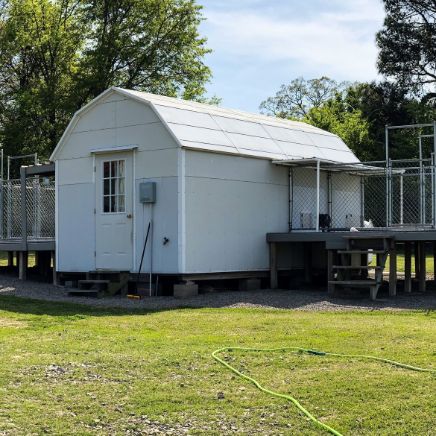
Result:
400,194
40,208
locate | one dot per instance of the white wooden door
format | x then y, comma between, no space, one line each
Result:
114,211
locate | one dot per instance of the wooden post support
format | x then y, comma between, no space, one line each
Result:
10,259
393,270
364,262
417,261
378,259
407,267
330,275
273,265
434,261
55,274
39,261
22,265
422,270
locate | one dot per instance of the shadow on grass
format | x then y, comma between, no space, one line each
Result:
263,299
30,306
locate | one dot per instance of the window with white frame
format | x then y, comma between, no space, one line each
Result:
114,196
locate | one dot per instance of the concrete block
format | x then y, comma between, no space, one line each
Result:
249,284
185,290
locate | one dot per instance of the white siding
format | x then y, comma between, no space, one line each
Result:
231,203
76,240
164,214
117,122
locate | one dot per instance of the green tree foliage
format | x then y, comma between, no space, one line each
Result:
338,117
56,55
358,113
144,44
294,101
39,51
407,45
322,103
383,104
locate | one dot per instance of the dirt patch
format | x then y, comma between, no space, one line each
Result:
11,323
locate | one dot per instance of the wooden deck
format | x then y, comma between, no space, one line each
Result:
340,247
22,245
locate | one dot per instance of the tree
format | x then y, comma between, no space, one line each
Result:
386,103
322,103
56,55
151,45
336,116
39,44
295,100
358,113
407,45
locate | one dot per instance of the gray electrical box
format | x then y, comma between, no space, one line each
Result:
147,192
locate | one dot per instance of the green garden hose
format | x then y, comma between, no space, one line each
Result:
307,351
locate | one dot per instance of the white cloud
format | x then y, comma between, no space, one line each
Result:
311,38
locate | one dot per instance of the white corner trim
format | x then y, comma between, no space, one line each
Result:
181,210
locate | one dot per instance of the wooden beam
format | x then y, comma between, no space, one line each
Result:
22,265
40,170
10,259
408,267
393,270
422,270
417,261
273,265
434,261
55,274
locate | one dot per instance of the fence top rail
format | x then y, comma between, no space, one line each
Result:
410,126
379,167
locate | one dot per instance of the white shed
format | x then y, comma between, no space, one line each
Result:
219,183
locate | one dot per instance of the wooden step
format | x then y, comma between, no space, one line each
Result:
85,293
93,285
117,281
91,282
368,251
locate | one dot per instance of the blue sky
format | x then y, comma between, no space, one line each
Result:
260,44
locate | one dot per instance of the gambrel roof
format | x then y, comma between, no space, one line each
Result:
211,128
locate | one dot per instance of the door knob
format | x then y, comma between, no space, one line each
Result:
129,215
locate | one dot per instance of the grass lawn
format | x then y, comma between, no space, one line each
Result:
429,267
67,369
4,259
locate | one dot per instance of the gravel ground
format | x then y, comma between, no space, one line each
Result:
311,300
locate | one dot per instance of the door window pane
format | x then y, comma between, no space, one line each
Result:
120,186
106,204
106,190
114,186
121,168
106,169
114,171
